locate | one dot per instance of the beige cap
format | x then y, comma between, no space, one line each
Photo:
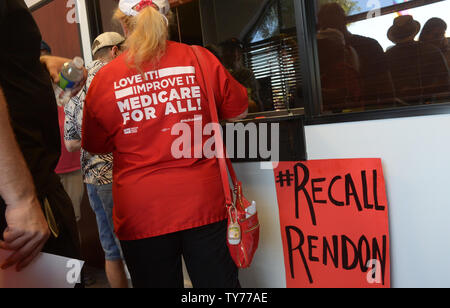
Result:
107,39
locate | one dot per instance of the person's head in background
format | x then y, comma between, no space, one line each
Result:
45,49
232,53
331,48
215,50
107,46
433,32
332,16
145,25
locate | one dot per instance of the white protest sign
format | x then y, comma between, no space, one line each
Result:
46,271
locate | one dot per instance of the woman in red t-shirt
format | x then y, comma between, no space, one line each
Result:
149,108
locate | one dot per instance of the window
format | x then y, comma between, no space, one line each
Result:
380,54
272,54
259,47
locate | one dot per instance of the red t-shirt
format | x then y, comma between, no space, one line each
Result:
68,162
154,192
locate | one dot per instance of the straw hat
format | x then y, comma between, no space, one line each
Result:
405,29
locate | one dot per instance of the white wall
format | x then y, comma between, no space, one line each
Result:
267,269
416,162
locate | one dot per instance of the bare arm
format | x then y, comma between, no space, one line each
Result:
54,65
72,131
239,117
72,145
27,229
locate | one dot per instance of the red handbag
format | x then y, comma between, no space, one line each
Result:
243,224
243,229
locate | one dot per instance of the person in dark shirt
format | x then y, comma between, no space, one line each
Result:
26,222
32,112
419,70
232,58
433,33
45,49
339,74
376,82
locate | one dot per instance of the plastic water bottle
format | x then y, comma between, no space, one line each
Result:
251,210
71,75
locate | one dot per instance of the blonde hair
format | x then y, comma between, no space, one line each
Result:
148,34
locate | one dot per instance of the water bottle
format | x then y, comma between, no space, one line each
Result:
251,210
71,75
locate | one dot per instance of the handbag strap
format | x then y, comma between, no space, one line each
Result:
223,160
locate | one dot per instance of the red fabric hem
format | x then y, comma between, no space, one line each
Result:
64,171
231,115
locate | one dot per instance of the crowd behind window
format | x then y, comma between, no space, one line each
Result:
357,73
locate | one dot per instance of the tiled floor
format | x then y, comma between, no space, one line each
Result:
99,276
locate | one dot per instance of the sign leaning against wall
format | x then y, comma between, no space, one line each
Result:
334,223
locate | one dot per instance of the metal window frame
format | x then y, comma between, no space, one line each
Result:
392,9
94,18
309,64
306,12
40,4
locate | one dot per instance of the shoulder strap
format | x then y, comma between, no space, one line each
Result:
222,159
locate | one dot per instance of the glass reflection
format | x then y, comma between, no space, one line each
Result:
380,54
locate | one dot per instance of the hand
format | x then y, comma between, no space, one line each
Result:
54,65
239,117
26,234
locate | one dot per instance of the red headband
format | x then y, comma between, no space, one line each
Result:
143,4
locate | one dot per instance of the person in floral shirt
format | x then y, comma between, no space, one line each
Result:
97,169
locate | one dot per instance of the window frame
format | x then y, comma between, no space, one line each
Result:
38,4
306,24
